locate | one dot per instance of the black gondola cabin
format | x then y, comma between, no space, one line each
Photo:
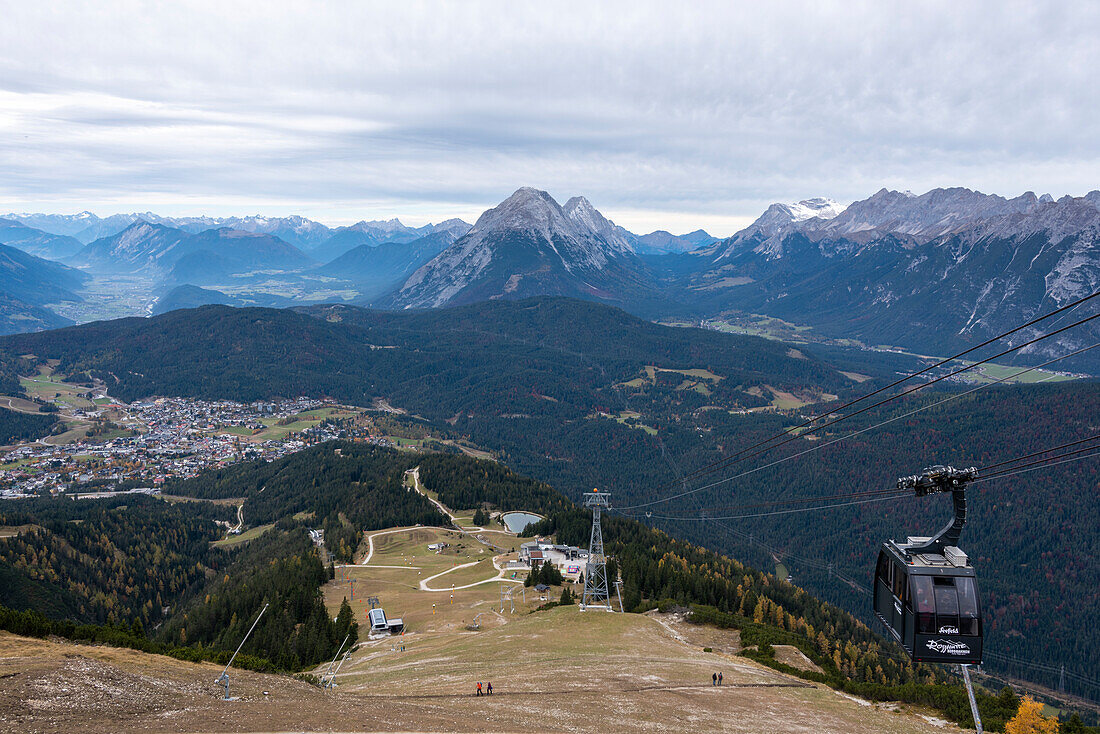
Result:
930,603
926,591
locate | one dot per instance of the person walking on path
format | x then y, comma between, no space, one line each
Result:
479,688
490,691
714,679
719,679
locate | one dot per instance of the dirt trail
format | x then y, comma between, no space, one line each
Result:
498,577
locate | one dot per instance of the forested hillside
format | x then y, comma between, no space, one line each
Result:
114,560
465,483
16,426
281,568
345,488
140,560
543,356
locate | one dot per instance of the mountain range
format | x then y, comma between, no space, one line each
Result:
165,251
322,242
929,272
939,271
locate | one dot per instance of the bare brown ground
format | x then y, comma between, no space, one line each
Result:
794,657
642,679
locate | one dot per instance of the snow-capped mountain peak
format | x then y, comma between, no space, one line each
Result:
766,233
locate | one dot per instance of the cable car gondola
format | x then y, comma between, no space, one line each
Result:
926,591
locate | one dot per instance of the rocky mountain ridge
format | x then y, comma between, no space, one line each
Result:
528,245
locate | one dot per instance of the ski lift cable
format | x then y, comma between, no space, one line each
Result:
724,461
948,399
1042,667
1043,465
814,429
985,469
881,423
887,494
787,555
884,491
894,494
803,500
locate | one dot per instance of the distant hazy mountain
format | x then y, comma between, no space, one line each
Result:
663,243
530,245
246,251
27,284
191,296
948,268
141,247
35,280
377,269
61,224
373,234
37,242
88,227
157,250
298,231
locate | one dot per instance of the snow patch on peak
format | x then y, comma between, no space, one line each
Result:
817,207
766,233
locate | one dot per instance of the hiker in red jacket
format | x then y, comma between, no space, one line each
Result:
479,688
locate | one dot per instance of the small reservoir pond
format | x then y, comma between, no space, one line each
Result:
517,521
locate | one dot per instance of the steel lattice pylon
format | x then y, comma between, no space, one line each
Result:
595,573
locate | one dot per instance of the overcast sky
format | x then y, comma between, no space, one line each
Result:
670,115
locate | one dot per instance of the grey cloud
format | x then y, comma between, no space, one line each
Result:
715,109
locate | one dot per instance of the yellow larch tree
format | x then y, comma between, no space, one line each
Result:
1029,719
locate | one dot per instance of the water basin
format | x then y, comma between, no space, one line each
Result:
517,521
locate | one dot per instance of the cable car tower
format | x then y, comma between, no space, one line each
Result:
926,592
595,571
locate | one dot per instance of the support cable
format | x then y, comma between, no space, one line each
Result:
876,425
709,468
887,494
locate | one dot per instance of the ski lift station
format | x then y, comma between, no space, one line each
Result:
563,557
380,625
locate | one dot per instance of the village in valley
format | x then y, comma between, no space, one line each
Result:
101,445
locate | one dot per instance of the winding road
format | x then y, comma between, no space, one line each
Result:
471,531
